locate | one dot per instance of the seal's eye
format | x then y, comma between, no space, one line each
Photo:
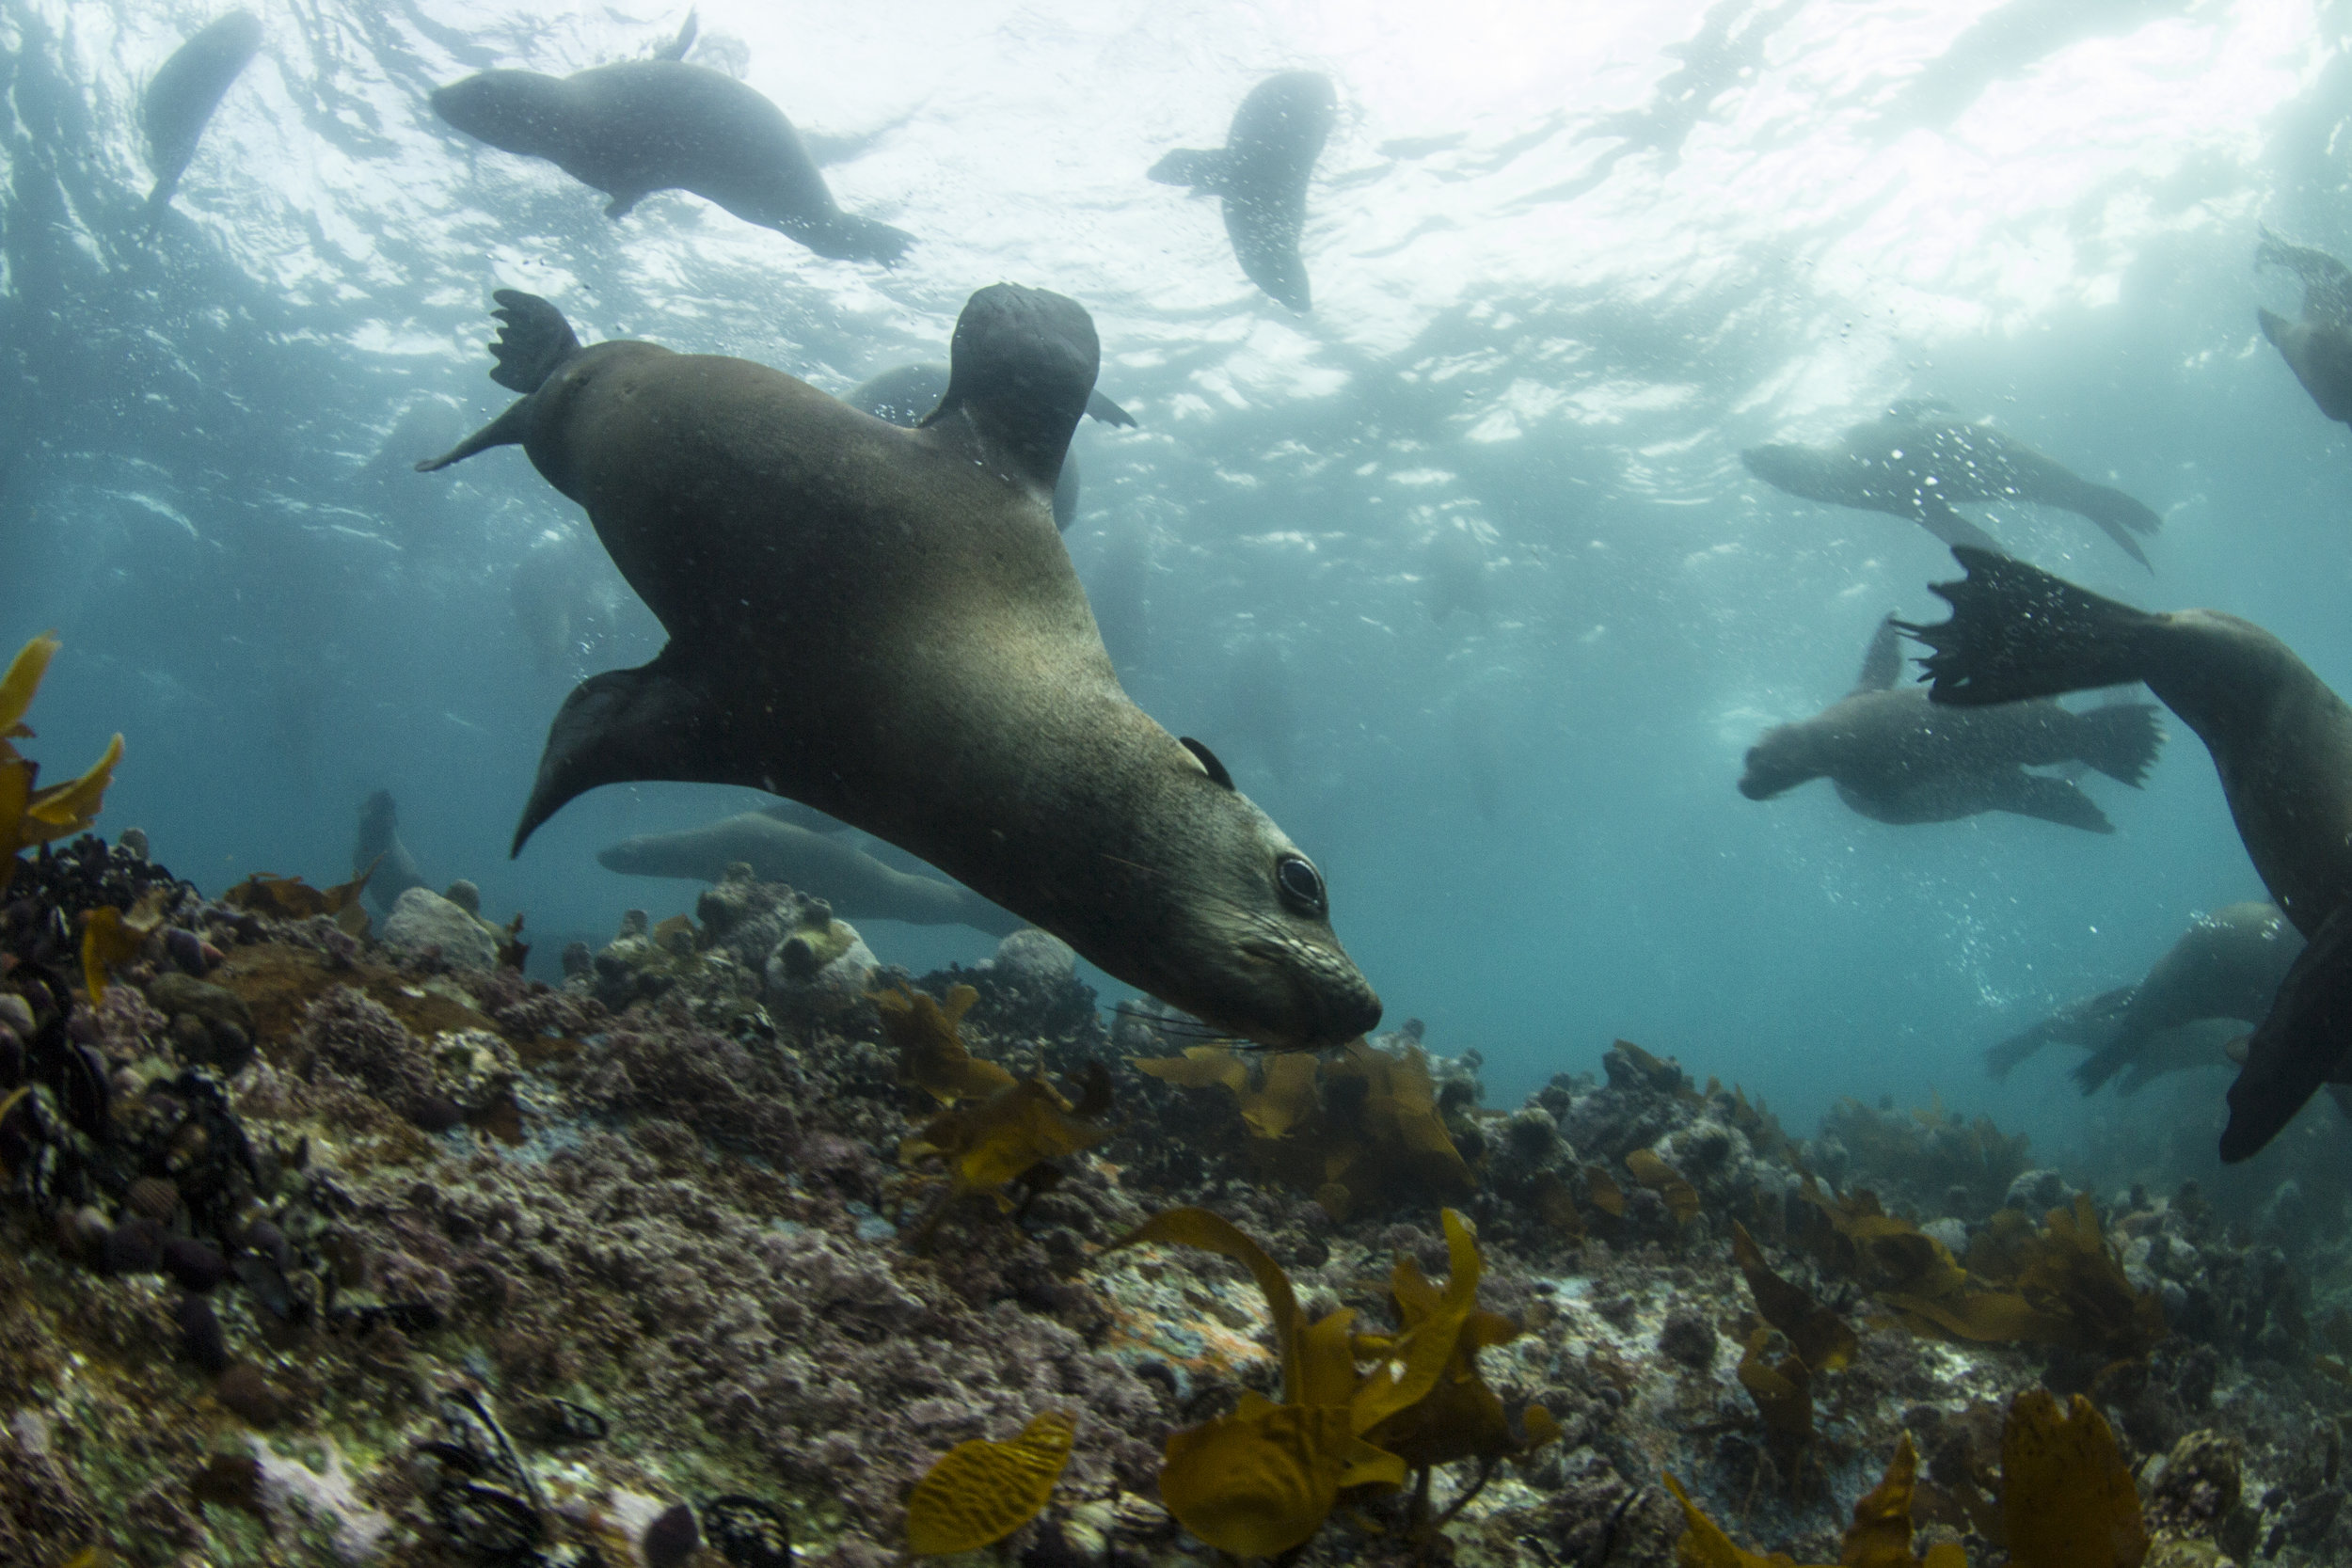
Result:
1301,884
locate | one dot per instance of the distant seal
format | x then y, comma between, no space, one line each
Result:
1915,463
858,886
2226,966
882,623
2317,348
2280,740
642,126
1262,173
182,96
377,844
906,394
1895,757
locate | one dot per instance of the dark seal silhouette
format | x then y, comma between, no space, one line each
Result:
2318,347
642,126
2280,740
905,395
1918,462
182,96
2225,968
882,623
1896,757
1262,173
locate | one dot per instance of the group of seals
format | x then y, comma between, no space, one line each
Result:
1898,758
1916,462
2280,740
882,623
905,395
184,92
1262,173
2226,967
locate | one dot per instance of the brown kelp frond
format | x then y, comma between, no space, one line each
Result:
1682,1199
292,898
1275,1098
1819,1334
988,1145
29,815
1879,1536
932,1054
2067,1496
1782,1388
982,1491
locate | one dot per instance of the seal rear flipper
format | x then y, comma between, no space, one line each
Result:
2088,1022
533,340
507,430
2017,632
659,721
2121,741
2301,1046
1106,412
2051,800
1203,169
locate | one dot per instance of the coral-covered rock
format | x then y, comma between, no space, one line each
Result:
422,919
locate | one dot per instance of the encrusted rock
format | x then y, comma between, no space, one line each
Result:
421,918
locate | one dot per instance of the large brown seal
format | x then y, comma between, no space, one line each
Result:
1896,757
2226,966
642,126
2318,347
883,624
2280,740
1916,461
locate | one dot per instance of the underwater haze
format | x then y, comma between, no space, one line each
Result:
1460,572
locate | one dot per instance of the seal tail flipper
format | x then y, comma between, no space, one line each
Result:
847,237
2051,800
658,721
1936,516
1106,412
2091,1073
2121,741
2002,1059
2301,1046
1203,169
2117,516
2017,632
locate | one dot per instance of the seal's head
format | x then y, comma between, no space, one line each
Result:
1779,762
1799,470
517,111
1021,368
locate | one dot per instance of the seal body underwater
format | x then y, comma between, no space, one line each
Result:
184,92
2281,742
858,886
904,395
2318,347
1898,758
882,623
1916,462
2226,966
642,126
1261,173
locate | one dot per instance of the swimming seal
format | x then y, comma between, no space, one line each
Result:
1262,173
1896,757
377,844
2226,966
642,126
882,623
858,886
905,395
1915,462
2280,740
182,96
2317,348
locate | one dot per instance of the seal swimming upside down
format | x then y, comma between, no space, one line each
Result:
183,94
1915,463
2317,348
2280,740
1898,758
906,394
2226,966
642,126
1262,173
883,624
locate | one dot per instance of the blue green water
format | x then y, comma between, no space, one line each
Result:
1460,574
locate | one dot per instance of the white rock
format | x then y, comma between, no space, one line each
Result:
422,918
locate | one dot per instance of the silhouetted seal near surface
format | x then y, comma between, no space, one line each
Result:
883,624
183,94
906,394
858,886
2280,740
1898,758
643,126
1262,173
1914,463
2226,966
2317,348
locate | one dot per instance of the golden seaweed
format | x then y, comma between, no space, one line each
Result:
31,815
2067,1496
1820,1335
1783,1392
982,1491
930,1042
1605,1194
1682,1199
292,898
1879,1536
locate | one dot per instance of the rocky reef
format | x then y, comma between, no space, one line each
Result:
321,1249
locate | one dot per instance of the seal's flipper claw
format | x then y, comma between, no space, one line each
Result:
2301,1045
533,340
2017,631
655,722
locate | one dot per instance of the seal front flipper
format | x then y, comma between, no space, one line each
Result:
1203,169
659,721
2018,632
533,342
2051,800
1105,411
1884,661
2301,1045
